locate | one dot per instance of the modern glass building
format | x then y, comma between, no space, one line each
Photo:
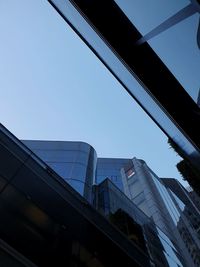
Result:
190,211
75,162
45,222
111,168
78,165
189,198
167,208
117,207
157,201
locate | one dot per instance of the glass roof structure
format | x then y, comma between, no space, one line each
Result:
152,48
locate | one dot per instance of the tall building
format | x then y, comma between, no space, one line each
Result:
124,214
75,162
138,182
157,201
190,199
45,222
190,210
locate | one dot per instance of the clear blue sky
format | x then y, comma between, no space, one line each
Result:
52,87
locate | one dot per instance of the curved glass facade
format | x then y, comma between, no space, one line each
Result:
75,162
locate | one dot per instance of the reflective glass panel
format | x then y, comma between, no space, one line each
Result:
174,37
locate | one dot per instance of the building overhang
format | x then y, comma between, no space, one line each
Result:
108,32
